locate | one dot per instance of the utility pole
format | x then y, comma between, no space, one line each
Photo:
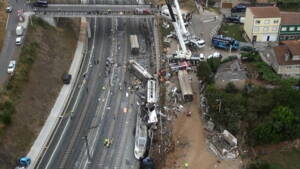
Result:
87,149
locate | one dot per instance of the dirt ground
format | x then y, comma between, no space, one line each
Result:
55,53
3,18
190,142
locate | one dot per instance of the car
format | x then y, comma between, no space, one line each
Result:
247,48
40,3
232,19
215,55
239,8
9,9
11,67
66,78
19,40
202,58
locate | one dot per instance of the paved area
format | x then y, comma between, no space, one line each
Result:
9,51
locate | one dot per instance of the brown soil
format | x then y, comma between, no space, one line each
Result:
55,53
3,18
189,142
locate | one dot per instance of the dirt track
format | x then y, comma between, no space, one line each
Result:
190,142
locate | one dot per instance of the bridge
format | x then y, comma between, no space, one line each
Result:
96,10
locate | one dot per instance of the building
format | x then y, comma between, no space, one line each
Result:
290,26
262,23
286,60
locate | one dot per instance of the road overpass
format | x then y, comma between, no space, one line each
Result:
97,10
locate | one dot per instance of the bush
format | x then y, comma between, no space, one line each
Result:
204,72
214,63
36,21
258,164
6,110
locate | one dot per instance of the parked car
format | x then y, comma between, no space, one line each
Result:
9,9
66,78
11,67
40,3
215,55
232,19
19,40
239,8
247,48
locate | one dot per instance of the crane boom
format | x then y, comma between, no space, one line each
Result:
179,14
177,28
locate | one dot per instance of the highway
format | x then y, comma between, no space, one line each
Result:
104,103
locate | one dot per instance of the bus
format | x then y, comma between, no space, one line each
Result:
139,71
134,44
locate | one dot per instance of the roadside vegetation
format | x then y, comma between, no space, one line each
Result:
3,18
256,115
28,96
264,115
289,5
232,30
264,72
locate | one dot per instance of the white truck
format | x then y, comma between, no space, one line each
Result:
19,30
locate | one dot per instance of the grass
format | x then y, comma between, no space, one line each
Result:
232,30
213,9
283,160
11,92
3,18
189,5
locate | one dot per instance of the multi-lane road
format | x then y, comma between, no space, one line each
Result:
104,102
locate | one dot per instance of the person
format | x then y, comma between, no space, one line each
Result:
106,142
186,165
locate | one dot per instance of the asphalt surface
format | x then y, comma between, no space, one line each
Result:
107,105
8,51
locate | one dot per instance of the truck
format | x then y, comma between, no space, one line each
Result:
134,44
223,42
19,30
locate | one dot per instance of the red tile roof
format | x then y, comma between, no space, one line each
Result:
290,18
290,47
265,12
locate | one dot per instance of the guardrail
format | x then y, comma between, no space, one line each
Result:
99,14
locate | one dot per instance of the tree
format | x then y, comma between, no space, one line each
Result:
204,72
230,88
283,125
214,63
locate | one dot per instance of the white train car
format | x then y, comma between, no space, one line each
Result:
151,91
139,71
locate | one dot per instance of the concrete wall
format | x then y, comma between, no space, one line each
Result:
248,26
289,70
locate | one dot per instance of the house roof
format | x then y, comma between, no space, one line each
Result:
293,45
265,12
287,47
290,18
